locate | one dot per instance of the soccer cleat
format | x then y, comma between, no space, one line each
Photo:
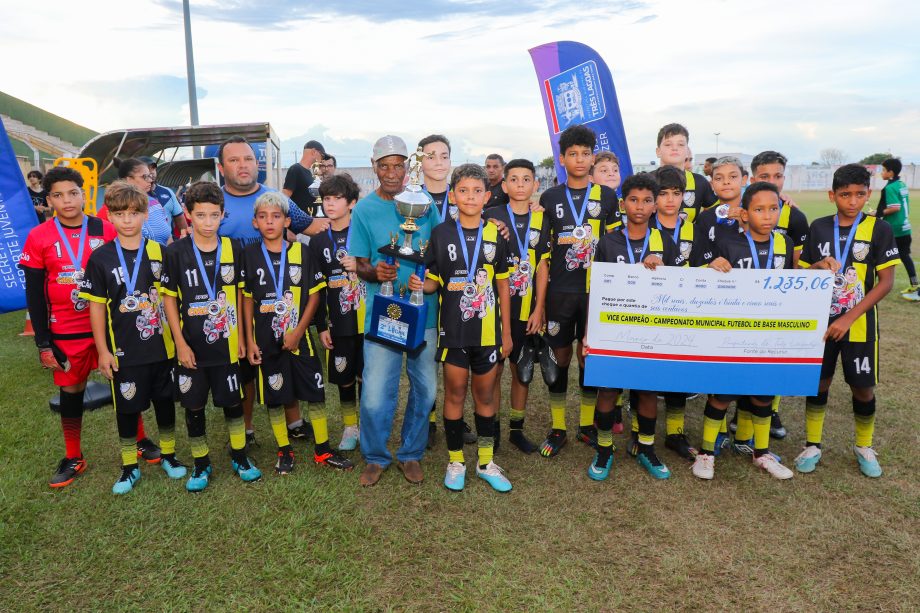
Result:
655,467
554,443
469,437
868,461
148,450
333,460
777,429
679,444
302,432
588,435
704,466
912,297
455,477
525,361
67,471
772,466
129,476
633,448
432,434
251,440
285,463
807,461
722,442
350,435
548,366
173,468
494,476
246,470
598,470
199,479
733,424
517,438
747,448
911,289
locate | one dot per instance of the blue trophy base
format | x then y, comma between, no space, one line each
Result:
398,323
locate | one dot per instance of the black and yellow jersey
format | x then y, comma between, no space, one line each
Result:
572,242
468,315
683,241
707,231
793,223
137,330
698,195
209,326
616,247
529,233
276,311
737,250
345,295
871,248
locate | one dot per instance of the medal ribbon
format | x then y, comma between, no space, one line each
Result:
629,249
676,236
347,238
584,205
445,204
754,251
522,244
846,249
470,269
210,287
130,276
77,260
277,280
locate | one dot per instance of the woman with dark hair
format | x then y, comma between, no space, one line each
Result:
38,196
158,226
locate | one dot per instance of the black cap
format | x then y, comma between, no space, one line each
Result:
315,144
146,159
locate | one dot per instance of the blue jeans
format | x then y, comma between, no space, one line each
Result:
380,392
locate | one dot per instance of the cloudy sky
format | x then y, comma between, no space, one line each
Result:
797,76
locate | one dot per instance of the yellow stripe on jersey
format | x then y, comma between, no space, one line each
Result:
490,234
229,291
690,187
155,254
654,241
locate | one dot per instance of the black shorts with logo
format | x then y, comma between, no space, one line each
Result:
222,381
566,318
286,377
478,359
345,361
859,362
135,387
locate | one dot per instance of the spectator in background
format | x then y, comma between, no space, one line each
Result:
707,167
299,177
688,163
38,195
495,170
329,166
158,226
167,199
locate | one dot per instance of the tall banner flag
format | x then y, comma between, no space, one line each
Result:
577,88
17,217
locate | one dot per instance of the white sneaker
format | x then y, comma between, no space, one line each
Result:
769,464
350,435
912,297
704,466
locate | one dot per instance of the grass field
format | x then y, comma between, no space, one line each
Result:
832,540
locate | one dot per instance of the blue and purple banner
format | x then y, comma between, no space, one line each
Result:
577,89
17,218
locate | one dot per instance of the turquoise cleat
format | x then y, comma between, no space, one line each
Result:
494,476
173,468
868,461
455,477
654,466
199,479
600,473
247,471
125,483
807,461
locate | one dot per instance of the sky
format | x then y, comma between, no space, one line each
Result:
793,76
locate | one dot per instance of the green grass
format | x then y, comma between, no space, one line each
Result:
832,540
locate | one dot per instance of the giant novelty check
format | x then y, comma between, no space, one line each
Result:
699,330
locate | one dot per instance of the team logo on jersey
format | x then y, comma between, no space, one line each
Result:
353,293
848,291
285,314
341,363
581,248
534,237
689,198
478,297
493,357
151,315
226,273
95,243
779,261
295,273
127,390
157,269
275,381
552,327
488,249
79,304
185,383
685,248
860,251
594,208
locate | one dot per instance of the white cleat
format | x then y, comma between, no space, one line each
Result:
769,464
704,466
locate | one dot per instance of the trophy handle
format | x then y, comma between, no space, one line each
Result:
386,288
417,296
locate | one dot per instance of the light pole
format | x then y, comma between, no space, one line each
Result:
717,141
190,71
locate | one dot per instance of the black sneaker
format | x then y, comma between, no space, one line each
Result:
67,471
777,429
517,438
285,463
302,432
148,450
679,444
548,365
554,443
469,437
432,434
588,435
333,460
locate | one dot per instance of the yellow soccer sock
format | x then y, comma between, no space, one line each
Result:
167,439
432,416
279,425
674,420
723,427
814,424
775,404
710,432
635,421
237,430
761,428
199,446
619,402
588,402
865,428
485,450
317,414
646,439
128,451
350,413
456,456
604,438
557,408
745,429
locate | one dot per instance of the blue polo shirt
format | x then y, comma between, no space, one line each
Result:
167,199
238,214
372,221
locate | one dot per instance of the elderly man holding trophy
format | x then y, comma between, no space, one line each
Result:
390,231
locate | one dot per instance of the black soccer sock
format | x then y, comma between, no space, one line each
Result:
195,425
761,415
646,433
453,436
127,434
485,432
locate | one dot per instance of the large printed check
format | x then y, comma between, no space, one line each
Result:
699,330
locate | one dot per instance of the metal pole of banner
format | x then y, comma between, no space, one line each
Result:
717,141
190,70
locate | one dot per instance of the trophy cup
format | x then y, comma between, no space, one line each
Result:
315,168
397,321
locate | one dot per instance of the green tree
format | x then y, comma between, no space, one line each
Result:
547,162
875,158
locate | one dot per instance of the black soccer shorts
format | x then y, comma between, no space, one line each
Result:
566,318
135,387
285,377
480,360
222,381
859,362
345,361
